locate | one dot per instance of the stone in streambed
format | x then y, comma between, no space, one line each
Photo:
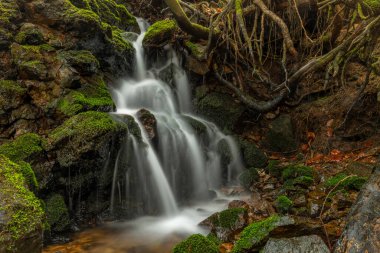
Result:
302,244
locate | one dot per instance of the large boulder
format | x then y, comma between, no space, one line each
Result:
302,244
21,214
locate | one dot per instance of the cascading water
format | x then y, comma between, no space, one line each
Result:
180,163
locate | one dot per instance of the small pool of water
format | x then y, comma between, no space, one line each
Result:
143,235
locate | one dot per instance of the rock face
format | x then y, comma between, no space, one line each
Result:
303,244
362,232
21,213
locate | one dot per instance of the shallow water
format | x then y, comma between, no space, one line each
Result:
144,235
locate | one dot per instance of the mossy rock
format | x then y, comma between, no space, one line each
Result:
218,107
256,234
195,49
274,168
57,213
196,244
283,204
20,211
33,70
23,147
92,96
30,53
29,34
86,133
11,95
297,170
9,16
248,177
342,181
252,155
82,60
280,137
160,33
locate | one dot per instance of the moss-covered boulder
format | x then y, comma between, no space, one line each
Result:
33,70
248,177
252,155
23,147
85,137
92,94
9,16
257,233
82,60
218,107
196,244
160,33
21,214
280,137
29,34
57,213
12,95
226,224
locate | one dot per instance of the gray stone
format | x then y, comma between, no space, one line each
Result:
303,244
280,137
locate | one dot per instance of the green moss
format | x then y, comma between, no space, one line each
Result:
118,40
28,173
274,168
283,204
252,155
296,170
8,13
9,87
212,237
22,211
31,36
82,60
93,95
303,181
159,33
195,49
228,218
196,244
22,147
26,53
86,125
248,177
351,183
57,213
253,234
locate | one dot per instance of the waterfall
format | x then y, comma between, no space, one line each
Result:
180,163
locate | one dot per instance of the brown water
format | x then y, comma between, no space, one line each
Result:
110,240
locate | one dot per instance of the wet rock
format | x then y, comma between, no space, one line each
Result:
256,234
252,155
303,244
280,137
160,33
196,244
12,95
226,224
149,122
83,61
34,70
29,34
219,107
362,231
21,214
57,214
248,177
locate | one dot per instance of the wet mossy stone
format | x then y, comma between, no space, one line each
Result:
218,107
196,243
33,70
21,214
283,204
248,177
83,61
274,168
29,34
280,137
256,234
342,181
160,33
57,213
85,133
9,16
93,95
252,155
11,95
23,147
297,170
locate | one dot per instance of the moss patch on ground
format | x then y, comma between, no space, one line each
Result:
283,204
196,244
21,211
342,181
